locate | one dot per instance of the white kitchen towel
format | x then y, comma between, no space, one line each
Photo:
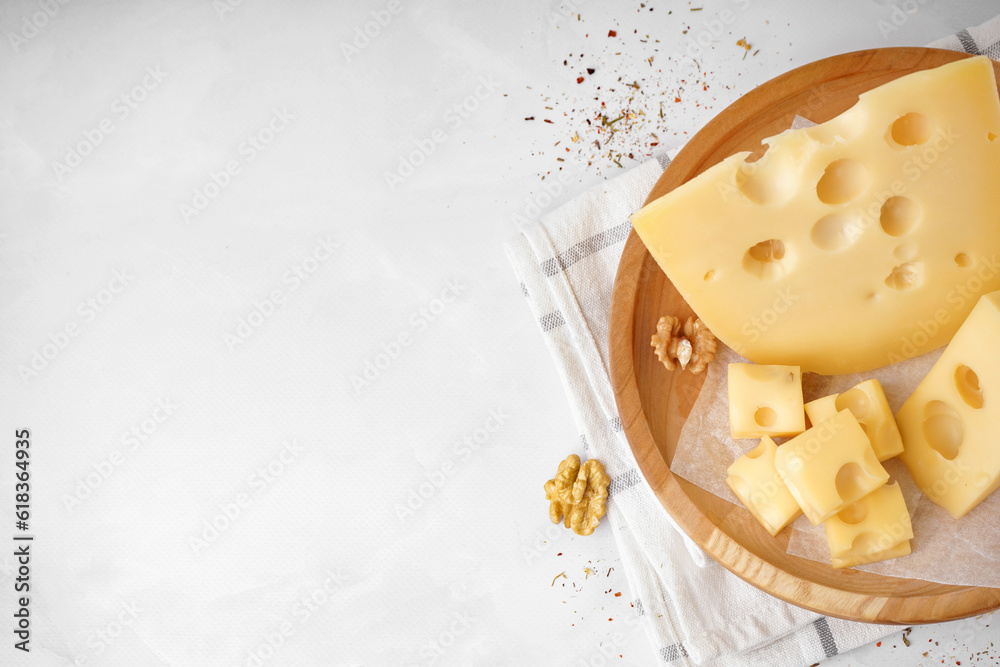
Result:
694,611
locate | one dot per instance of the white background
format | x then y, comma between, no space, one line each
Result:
99,159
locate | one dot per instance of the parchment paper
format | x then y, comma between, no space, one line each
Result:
962,552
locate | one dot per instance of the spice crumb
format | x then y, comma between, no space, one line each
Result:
612,33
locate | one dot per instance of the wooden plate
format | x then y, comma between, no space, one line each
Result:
653,402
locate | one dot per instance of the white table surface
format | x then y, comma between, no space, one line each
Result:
139,317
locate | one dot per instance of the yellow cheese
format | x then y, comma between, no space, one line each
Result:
871,527
829,467
852,244
901,549
755,482
951,423
765,400
869,406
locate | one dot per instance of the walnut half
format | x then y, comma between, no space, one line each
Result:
578,494
688,343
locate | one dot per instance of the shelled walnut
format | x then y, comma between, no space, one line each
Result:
578,494
688,343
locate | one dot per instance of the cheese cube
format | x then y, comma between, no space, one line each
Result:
868,404
868,530
755,482
901,549
829,467
832,248
951,423
765,400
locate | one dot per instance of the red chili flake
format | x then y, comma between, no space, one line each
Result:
878,643
655,143
590,70
611,619
548,121
559,554
618,595
677,99
530,118
579,79
612,33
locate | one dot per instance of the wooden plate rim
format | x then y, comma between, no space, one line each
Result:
945,602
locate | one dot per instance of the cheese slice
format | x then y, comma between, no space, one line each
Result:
868,530
851,244
829,467
901,549
765,400
754,480
951,423
867,402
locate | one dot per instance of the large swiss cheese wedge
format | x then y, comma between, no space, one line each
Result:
951,423
851,244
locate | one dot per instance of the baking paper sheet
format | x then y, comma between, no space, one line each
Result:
945,550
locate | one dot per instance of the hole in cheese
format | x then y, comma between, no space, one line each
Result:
852,482
943,429
991,136
911,129
854,400
854,514
904,276
967,383
759,449
836,231
765,417
899,215
842,181
905,252
963,260
764,260
709,276
767,187
867,543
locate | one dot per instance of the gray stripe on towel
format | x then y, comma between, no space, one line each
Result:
585,248
826,637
